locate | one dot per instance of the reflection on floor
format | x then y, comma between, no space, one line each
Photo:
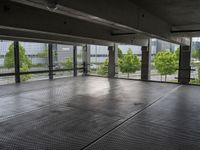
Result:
99,113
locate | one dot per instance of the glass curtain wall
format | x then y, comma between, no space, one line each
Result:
33,57
164,61
34,61
63,60
7,61
129,61
98,60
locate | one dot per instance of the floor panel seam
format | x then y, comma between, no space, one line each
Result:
127,119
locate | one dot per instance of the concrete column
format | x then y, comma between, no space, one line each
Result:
86,59
184,65
116,59
113,60
145,69
50,50
75,60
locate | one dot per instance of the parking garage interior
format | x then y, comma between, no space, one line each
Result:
104,75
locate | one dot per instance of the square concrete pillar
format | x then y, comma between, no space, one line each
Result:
113,58
75,60
86,59
111,62
184,65
116,59
50,50
145,69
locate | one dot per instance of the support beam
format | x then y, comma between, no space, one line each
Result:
186,28
184,68
145,70
17,61
50,50
75,60
10,33
186,31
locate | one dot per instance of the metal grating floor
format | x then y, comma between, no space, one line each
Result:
99,113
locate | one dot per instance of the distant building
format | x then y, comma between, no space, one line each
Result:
136,49
158,45
62,52
196,44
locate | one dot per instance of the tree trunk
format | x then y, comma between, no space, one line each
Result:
128,75
165,78
161,78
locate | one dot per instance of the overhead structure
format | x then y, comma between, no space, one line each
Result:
89,21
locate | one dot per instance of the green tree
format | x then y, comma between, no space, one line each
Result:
166,63
177,52
25,62
129,63
120,53
9,57
26,77
103,68
67,63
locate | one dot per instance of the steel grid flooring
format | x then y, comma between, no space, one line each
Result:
99,113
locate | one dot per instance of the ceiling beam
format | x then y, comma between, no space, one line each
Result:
192,29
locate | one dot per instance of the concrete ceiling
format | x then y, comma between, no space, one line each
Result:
175,12
94,19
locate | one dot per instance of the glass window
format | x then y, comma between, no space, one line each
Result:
7,61
195,61
63,59
33,57
164,60
98,60
129,61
